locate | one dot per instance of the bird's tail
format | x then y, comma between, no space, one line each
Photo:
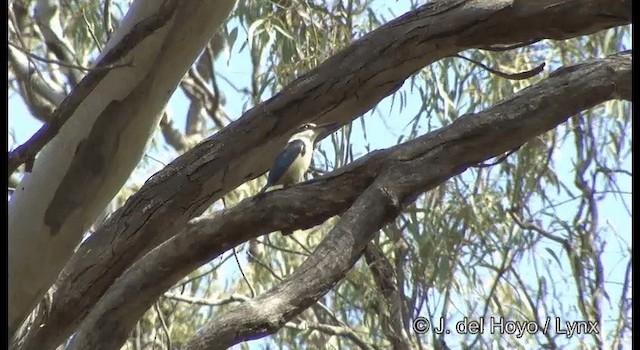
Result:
263,190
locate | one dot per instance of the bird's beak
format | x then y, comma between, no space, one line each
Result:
324,130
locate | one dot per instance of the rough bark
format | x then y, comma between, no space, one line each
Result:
405,171
109,118
340,89
414,168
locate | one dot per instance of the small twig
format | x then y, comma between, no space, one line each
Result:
285,250
253,292
498,161
344,331
533,227
93,35
214,83
183,284
515,76
500,48
265,266
16,30
307,250
69,65
234,87
157,160
106,18
330,313
164,325
209,94
206,302
27,151
86,86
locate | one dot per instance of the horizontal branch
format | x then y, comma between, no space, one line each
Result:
418,166
340,89
206,302
343,331
398,174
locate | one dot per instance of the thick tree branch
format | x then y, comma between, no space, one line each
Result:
340,89
449,151
400,174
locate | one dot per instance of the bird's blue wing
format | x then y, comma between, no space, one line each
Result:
284,160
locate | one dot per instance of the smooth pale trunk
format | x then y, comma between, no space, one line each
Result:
125,106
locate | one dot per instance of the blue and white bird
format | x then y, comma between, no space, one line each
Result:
294,160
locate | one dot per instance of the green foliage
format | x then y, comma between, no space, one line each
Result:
524,239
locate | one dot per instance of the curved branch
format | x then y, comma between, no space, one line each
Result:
372,189
447,152
343,87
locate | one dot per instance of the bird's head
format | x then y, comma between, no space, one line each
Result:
311,131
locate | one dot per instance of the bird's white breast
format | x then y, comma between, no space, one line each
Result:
295,172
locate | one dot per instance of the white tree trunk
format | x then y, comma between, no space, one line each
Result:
83,167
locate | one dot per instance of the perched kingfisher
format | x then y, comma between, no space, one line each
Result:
294,160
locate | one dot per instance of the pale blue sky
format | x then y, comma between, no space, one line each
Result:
237,69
